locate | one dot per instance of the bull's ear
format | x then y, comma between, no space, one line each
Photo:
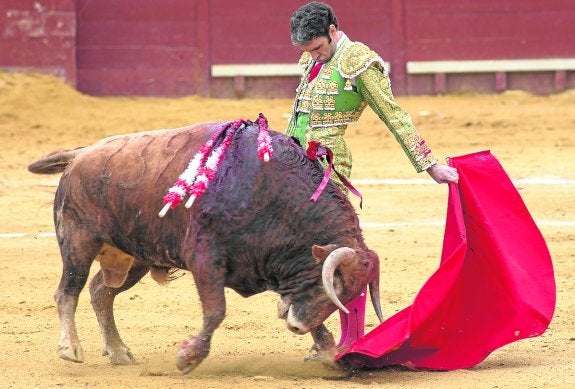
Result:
320,253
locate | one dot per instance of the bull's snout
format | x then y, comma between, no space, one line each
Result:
294,325
296,330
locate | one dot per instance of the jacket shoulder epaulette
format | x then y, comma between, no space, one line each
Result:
356,58
305,59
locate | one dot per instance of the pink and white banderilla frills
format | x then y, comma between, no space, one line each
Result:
204,165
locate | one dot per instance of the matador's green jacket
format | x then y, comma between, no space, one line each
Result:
324,107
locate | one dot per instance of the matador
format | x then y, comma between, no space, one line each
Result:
336,93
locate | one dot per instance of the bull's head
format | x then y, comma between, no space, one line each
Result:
345,274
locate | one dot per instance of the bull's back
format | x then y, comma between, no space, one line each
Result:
136,162
117,184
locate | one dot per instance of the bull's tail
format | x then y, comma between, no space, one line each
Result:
55,162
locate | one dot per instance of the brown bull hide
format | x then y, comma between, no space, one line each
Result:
252,231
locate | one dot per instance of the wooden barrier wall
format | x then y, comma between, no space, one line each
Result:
39,36
228,48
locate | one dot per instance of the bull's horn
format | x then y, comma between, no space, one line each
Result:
374,294
334,259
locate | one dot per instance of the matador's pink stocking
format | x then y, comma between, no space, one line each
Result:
352,324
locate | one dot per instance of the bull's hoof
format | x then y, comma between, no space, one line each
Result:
72,354
120,356
326,357
185,367
191,353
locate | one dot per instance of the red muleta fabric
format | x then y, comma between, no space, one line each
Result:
495,283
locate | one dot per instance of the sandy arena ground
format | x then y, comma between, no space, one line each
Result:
533,137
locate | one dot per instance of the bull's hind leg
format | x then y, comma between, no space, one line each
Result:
103,303
77,256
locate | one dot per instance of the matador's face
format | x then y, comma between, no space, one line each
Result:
322,48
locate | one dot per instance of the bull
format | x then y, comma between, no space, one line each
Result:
253,230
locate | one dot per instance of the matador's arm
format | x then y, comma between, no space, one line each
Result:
361,63
374,85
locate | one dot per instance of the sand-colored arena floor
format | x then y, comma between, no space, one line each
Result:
532,136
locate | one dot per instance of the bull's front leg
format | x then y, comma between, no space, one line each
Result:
324,345
210,281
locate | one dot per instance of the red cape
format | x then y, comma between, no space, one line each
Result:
495,283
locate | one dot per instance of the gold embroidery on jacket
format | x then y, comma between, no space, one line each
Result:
329,103
304,106
326,72
348,85
321,87
332,87
317,102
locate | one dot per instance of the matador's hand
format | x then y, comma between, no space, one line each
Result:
443,174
